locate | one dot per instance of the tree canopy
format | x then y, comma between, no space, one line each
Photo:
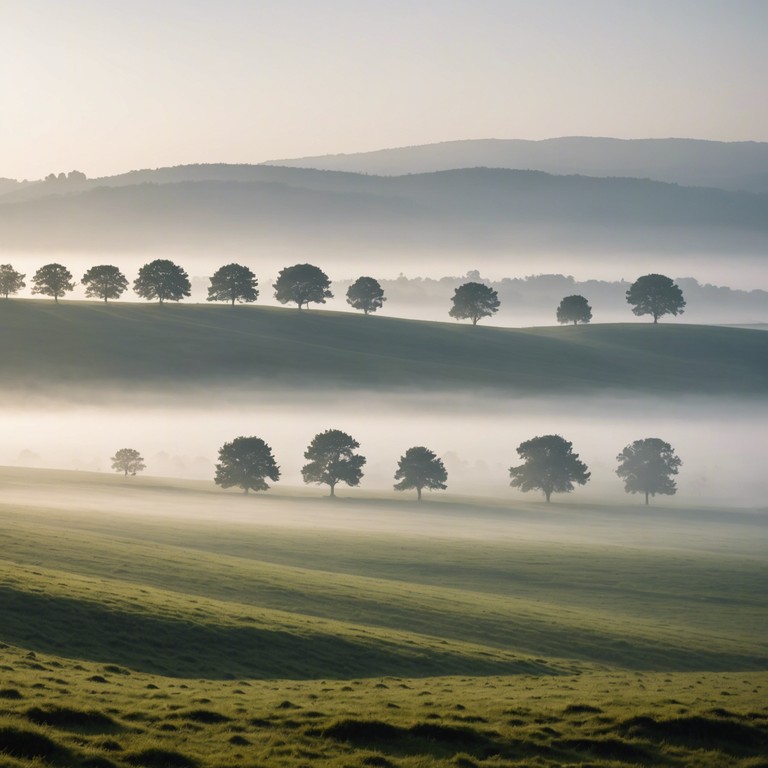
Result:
11,281
332,460
233,282
302,284
655,295
647,467
163,280
420,468
549,466
104,282
365,293
574,309
128,461
474,301
245,463
52,280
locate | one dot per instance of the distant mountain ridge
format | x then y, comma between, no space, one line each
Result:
241,207
735,166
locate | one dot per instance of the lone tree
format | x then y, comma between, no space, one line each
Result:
574,309
128,461
420,468
11,281
332,460
162,280
655,295
549,466
232,283
245,463
473,301
104,282
647,467
366,294
302,283
52,280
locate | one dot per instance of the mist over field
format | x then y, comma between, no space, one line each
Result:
476,436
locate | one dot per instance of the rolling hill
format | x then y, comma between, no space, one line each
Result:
482,210
86,345
739,165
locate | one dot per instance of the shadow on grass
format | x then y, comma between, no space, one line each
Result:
178,648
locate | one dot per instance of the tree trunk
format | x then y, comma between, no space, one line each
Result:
126,472
233,301
55,298
547,494
418,493
333,486
646,498
474,320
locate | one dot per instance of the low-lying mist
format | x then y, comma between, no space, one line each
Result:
719,440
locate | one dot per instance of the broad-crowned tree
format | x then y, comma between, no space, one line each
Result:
245,463
104,282
52,280
128,461
647,467
655,295
574,309
302,284
233,282
474,301
163,280
365,293
420,468
332,459
549,465
11,281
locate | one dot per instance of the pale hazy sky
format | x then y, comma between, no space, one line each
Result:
106,86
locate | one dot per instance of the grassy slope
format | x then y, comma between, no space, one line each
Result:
127,605
231,580
44,345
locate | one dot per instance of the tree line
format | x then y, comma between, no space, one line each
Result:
549,465
304,284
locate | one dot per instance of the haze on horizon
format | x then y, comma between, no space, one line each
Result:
109,87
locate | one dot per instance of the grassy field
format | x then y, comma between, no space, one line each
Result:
46,346
164,623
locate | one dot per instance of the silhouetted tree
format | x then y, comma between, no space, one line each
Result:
104,282
549,466
245,463
11,281
574,309
473,301
366,294
232,283
655,295
76,176
420,468
302,283
52,280
647,466
332,460
163,280
128,461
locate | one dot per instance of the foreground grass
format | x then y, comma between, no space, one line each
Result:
65,713
155,623
47,346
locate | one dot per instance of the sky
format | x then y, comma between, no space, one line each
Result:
106,86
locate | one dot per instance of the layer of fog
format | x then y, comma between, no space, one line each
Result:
720,441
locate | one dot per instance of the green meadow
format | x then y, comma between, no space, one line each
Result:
155,622
46,346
